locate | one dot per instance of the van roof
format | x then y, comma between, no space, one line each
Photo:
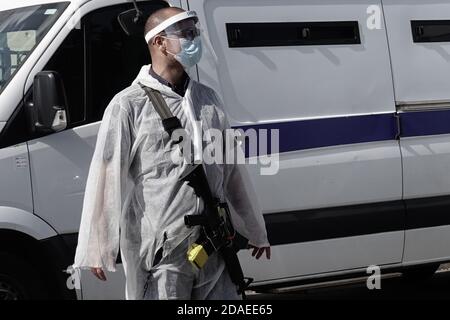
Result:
7,5
12,4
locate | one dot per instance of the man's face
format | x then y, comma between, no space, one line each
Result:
185,29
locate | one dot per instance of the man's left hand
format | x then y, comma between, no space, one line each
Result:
258,251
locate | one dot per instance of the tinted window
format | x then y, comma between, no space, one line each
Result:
269,34
430,30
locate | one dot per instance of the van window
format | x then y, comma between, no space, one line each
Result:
430,30
268,34
21,29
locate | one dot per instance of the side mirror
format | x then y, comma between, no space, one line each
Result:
49,102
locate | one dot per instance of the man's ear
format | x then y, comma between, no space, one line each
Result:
158,42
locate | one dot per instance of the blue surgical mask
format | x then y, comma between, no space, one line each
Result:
190,53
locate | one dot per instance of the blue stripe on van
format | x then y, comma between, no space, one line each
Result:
316,133
423,123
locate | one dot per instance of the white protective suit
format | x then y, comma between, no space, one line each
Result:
133,194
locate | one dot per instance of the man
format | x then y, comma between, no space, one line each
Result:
134,195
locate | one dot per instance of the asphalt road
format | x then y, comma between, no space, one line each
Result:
393,288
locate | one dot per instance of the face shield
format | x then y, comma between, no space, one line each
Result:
184,30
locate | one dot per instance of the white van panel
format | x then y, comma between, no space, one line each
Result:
59,165
261,84
15,184
287,86
2,124
427,244
325,255
426,166
420,70
16,210
332,176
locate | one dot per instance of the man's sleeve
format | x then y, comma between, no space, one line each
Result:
246,212
98,239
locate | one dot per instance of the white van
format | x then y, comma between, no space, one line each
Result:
359,90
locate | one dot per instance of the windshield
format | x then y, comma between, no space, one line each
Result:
21,30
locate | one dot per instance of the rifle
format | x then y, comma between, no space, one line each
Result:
218,232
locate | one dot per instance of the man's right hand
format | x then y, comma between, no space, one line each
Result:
98,272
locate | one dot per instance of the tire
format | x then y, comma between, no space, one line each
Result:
420,273
19,280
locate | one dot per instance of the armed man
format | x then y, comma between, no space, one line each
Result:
170,218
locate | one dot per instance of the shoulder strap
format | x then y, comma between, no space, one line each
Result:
170,122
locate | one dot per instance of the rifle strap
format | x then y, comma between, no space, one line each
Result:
169,121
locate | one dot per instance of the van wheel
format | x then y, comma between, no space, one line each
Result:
18,280
420,273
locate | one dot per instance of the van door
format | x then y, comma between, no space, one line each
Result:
419,40
315,71
96,60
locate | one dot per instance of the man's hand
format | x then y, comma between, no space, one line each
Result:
98,272
259,251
